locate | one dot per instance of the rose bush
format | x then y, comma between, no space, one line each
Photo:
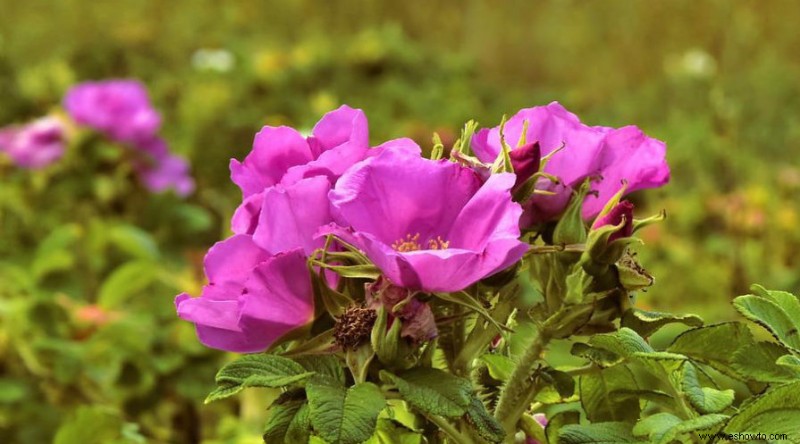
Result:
385,290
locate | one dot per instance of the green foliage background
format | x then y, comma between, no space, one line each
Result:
717,80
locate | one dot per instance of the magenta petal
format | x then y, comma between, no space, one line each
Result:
444,270
275,150
621,212
588,152
489,214
286,280
273,298
485,152
395,194
340,139
402,144
343,125
525,161
232,259
218,314
291,215
631,156
245,218
277,299
457,231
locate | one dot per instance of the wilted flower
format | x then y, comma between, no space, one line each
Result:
428,225
36,144
418,322
606,155
252,298
120,109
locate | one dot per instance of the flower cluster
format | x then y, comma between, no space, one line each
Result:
118,109
427,226
606,156
121,110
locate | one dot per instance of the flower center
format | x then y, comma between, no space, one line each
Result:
411,243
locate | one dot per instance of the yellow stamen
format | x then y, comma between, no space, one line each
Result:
411,243
438,244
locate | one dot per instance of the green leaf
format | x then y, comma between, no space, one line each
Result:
56,251
300,425
91,425
704,399
771,316
258,370
281,416
559,386
595,393
433,391
387,432
556,422
499,366
13,390
790,361
757,362
400,412
656,426
597,433
344,415
660,364
776,411
714,345
324,366
692,426
134,241
126,281
648,322
624,342
487,426
787,301
656,396
599,356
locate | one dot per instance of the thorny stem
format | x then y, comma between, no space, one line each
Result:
520,390
483,333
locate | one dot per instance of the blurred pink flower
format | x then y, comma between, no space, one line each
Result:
36,144
120,109
167,171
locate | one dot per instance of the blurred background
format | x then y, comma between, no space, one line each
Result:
89,263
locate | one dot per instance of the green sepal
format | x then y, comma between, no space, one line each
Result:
571,229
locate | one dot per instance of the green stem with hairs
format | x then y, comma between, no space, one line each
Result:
483,333
520,390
